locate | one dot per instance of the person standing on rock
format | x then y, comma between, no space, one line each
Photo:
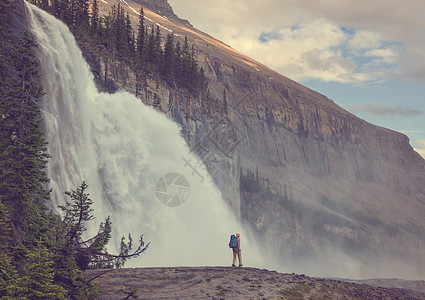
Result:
237,251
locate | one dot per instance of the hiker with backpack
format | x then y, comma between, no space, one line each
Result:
235,245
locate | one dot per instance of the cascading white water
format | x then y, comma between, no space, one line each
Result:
122,147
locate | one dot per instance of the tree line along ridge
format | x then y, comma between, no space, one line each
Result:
144,49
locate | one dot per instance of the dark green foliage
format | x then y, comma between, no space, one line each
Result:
225,103
141,47
253,183
10,282
41,257
131,294
76,214
169,60
5,229
62,9
94,21
44,4
5,7
158,53
25,271
248,183
145,51
23,155
40,274
81,15
129,35
151,49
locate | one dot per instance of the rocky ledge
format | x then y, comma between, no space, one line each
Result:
233,283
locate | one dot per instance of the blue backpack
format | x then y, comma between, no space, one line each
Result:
233,243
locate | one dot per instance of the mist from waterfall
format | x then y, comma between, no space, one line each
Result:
122,148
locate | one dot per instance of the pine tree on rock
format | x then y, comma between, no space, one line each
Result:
91,252
130,43
81,17
45,5
178,65
141,43
225,103
186,64
94,20
151,50
169,60
158,50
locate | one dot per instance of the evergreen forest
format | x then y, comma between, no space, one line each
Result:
43,256
144,49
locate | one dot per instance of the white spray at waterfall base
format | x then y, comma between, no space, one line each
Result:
122,148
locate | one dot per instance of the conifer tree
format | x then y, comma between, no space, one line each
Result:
65,11
225,103
158,49
44,5
186,64
130,45
90,252
5,229
4,17
178,64
24,154
141,60
24,227
120,40
39,279
169,58
55,8
202,82
106,32
10,283
194,75
151,49
94,20
81,15
113,30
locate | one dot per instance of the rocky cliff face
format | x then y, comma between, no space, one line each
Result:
162,8
159,7
325,177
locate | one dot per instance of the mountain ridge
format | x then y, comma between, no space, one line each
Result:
162,8
155,7
360,183
358,186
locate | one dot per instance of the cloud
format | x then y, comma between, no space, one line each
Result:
320,49
413,131
266,37
382,110
384,53
421,147
365,40
284,28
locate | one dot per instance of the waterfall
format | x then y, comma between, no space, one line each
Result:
124,150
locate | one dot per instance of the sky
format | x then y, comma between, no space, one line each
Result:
367,56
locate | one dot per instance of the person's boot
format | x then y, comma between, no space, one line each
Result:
240,265
233,265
